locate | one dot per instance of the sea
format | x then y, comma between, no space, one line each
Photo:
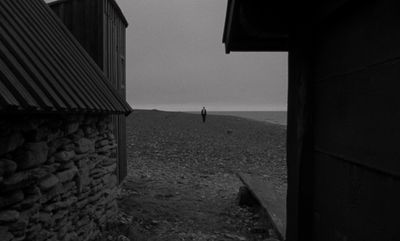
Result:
277,117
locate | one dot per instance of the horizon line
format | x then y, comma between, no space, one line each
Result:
209,109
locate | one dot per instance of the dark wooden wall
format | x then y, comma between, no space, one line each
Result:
101,30
114,58
299,135
84,19
356,116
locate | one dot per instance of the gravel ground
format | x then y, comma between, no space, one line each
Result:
182,182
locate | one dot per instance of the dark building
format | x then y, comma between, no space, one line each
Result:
343,111
58,165
100,26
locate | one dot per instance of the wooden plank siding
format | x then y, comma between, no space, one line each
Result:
356,171
101,29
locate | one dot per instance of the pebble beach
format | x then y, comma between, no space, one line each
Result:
182,182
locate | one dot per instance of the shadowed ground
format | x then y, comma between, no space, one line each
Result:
182,183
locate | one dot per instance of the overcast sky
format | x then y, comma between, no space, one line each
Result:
176,60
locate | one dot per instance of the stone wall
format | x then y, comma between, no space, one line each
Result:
57,177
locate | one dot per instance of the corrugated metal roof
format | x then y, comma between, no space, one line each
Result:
44,68
113,3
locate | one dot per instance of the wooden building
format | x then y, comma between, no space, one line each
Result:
343,110
100,27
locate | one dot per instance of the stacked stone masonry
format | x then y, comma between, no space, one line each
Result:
57,177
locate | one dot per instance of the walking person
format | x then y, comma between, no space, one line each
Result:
204,114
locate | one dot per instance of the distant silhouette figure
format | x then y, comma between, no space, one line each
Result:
204,114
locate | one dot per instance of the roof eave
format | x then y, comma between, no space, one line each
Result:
242,35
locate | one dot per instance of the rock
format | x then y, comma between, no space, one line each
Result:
95,197
10,142
108,162
64,156
80,157
61,204
48,183
88,130
44,235
98,188
82,163
77,135
68,147
123,238
66,166
51,160
51,168
110,169
59,215
67,187
19,238
9,216
55,145
38,134
110,136
106,148
18,228
11,198
24,177
67,175
71,236
31,155
102,143
7,167
110,181
52,193
102,126
235,237
71,127
34,190
84,145
64,230
5,235
30,200
46,219
83,221
34,229
17,178
82,204
54,134
31,213
83,179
